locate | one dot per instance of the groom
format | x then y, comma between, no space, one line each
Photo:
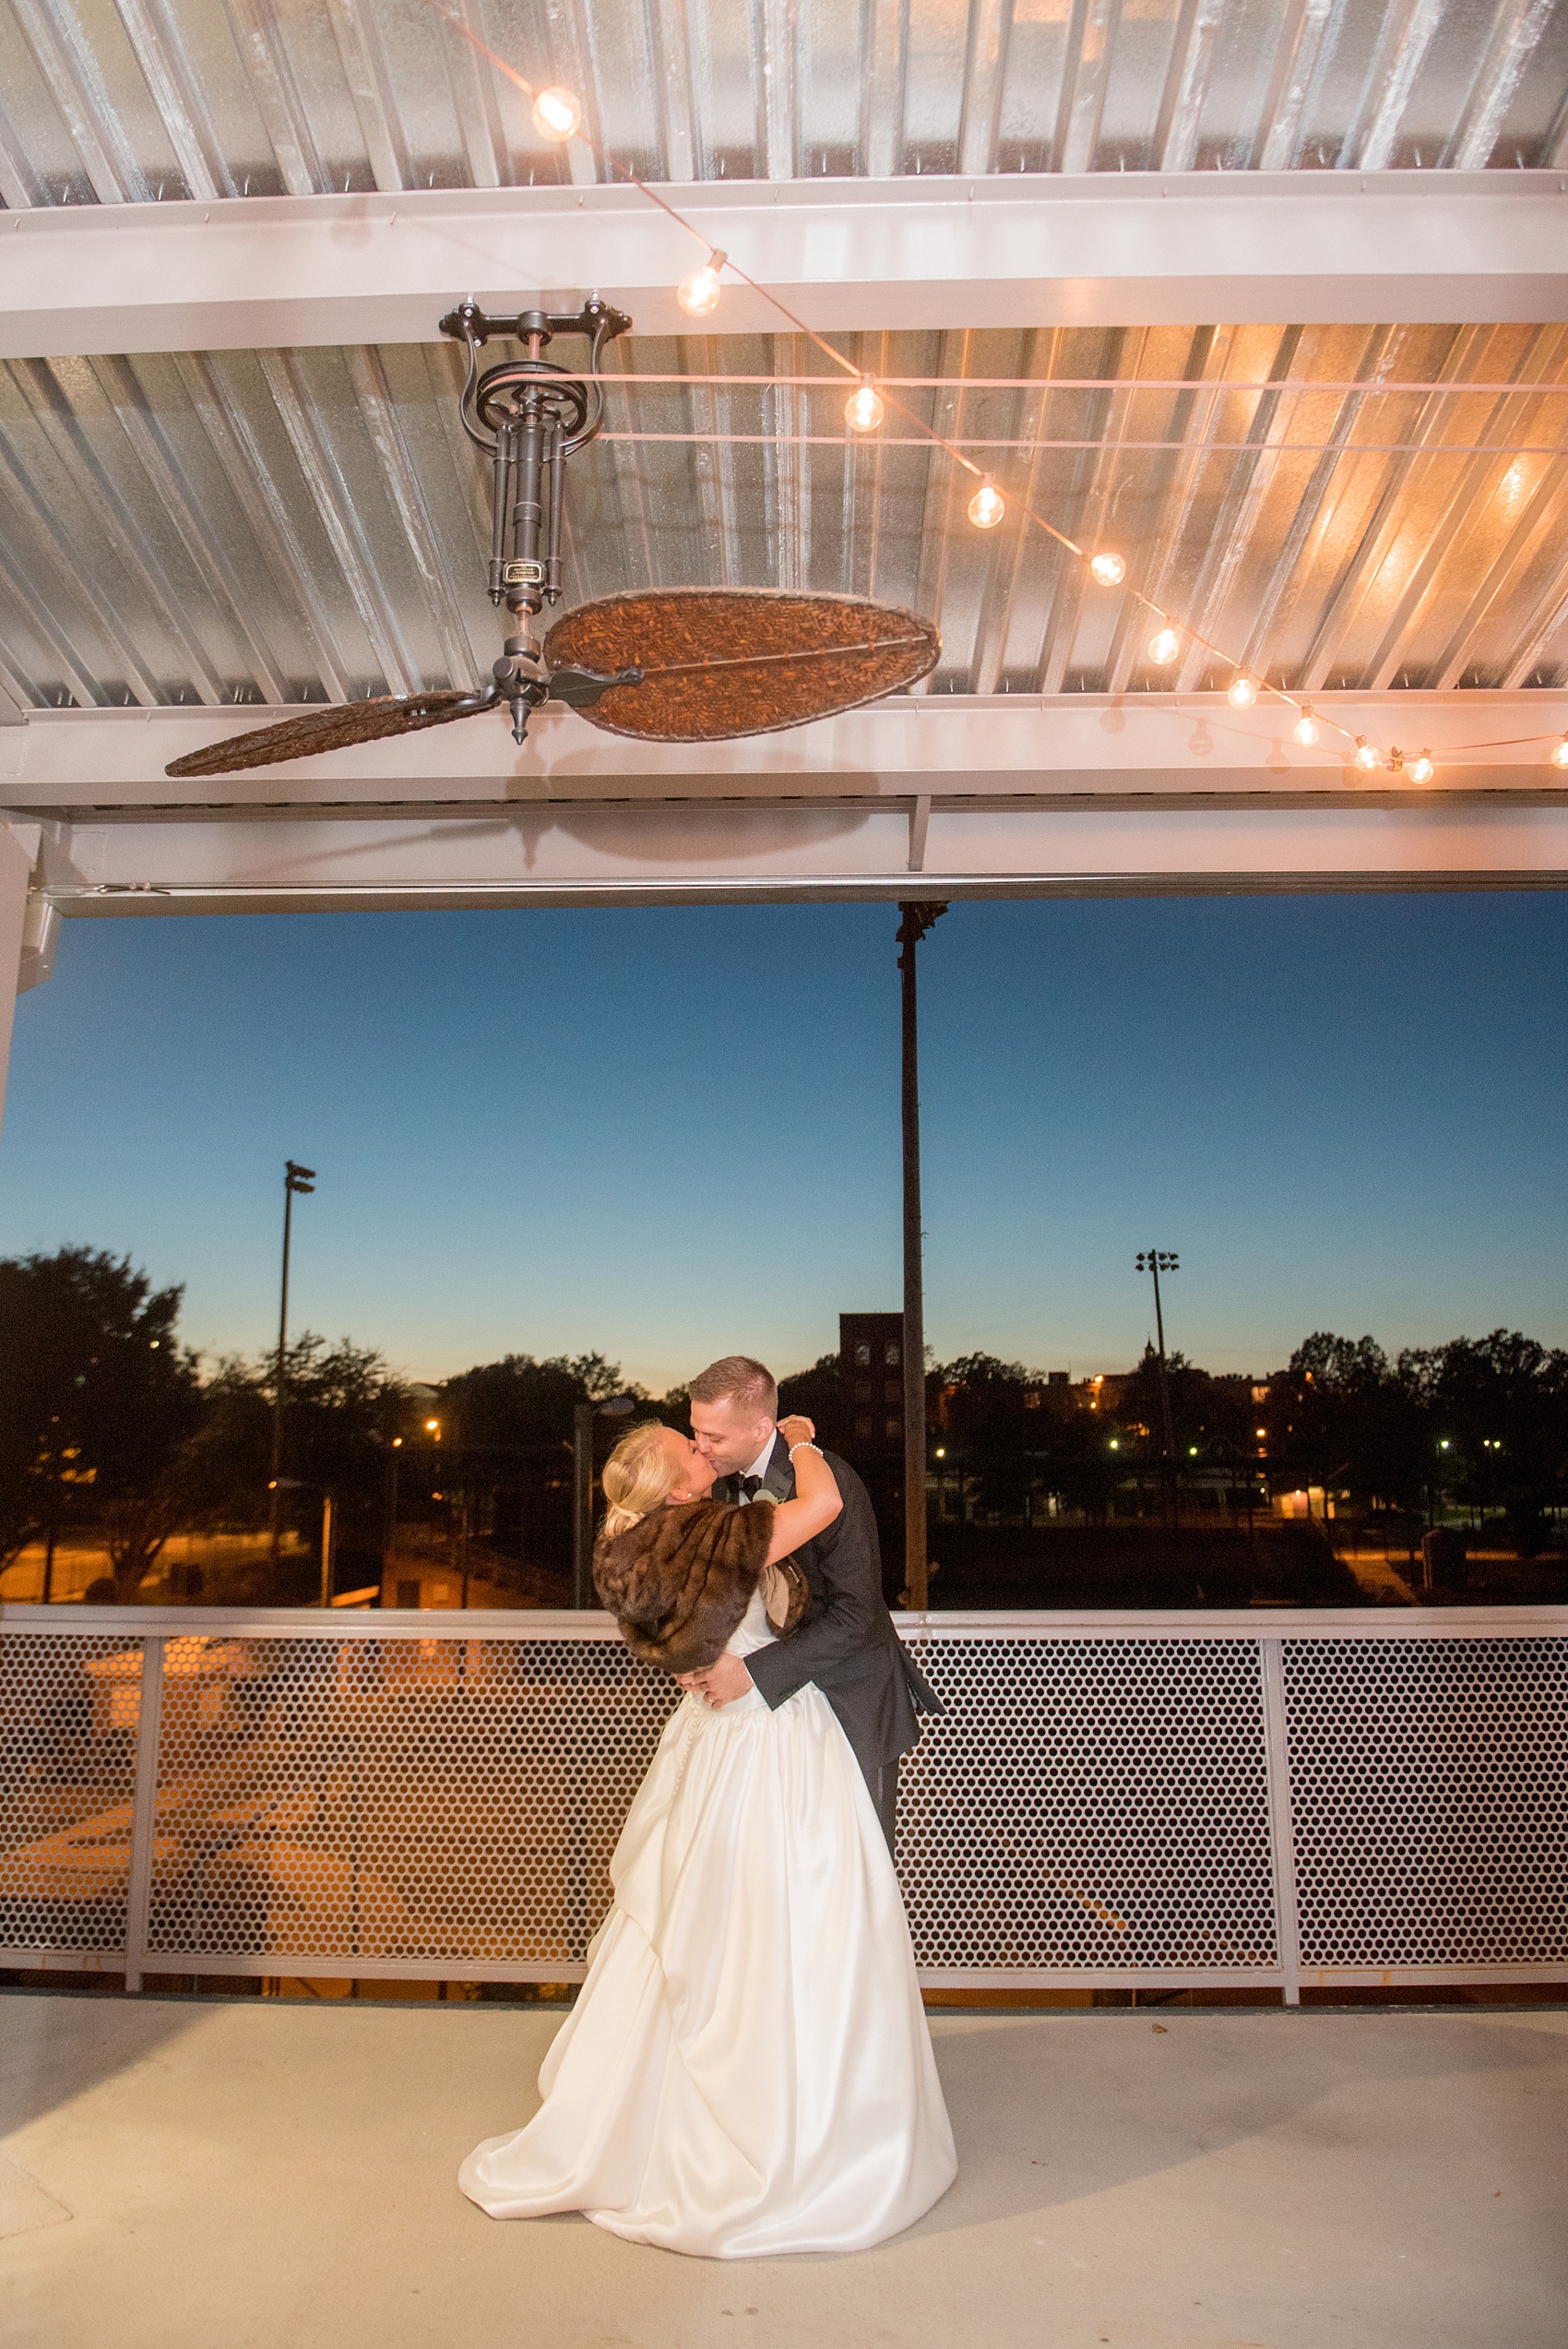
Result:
845,1642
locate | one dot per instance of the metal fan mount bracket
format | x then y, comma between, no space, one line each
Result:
584,689
528,415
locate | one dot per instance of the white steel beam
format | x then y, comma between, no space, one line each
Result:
1014,250
1102,795
1183,749
565,854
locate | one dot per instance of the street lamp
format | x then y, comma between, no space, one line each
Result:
457,1500
298,1182
1154,1261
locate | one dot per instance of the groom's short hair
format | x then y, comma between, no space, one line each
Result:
737,1379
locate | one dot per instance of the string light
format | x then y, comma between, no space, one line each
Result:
699,293
1368,756
863,410
557,114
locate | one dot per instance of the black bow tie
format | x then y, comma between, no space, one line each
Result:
750,1486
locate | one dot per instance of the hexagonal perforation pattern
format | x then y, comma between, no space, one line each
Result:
1095,1805
1430,1792
68,1712
425,1801
1091,1803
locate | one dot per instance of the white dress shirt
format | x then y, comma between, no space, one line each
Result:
759,1465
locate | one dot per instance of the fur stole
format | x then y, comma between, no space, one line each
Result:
679,1581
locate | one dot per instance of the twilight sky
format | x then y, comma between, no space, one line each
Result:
668,1134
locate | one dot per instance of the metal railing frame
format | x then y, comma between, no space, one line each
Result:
1268,1631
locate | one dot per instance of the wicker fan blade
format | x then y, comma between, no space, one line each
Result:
332,728
718,662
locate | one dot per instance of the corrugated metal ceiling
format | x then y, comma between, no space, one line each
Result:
127,101
305,525
295,526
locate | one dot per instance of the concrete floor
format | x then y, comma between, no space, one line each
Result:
247,2176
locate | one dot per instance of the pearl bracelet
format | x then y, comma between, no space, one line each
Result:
803,1447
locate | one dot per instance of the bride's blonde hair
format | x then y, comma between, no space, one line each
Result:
637,1476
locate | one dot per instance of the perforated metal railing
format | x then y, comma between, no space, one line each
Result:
1159,1800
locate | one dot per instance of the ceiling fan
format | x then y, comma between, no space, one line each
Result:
667,664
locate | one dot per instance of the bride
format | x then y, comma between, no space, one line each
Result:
747,2068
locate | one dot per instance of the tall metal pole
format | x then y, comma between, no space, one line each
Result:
1155,1261
1164,1381
396,1447
301,1180
916,919
327,1549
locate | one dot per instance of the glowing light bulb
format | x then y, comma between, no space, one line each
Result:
1305,729
1367,755
1560,753
1163,648
556,114
699,293
1243,693
986,507
1109,569
863,410
1419,770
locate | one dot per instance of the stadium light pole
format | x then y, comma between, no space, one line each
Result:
1154,1261
297,1183
916,919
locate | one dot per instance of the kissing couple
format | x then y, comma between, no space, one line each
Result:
747,2068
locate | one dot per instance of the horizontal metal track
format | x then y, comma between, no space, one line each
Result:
408,811
297,1965
592,1624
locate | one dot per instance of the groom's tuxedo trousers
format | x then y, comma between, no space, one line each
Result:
846,1642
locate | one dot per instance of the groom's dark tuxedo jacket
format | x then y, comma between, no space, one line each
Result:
845,1641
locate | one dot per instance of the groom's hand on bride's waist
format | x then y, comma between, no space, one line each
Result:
722,1682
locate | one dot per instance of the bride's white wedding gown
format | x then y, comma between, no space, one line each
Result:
747,2068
